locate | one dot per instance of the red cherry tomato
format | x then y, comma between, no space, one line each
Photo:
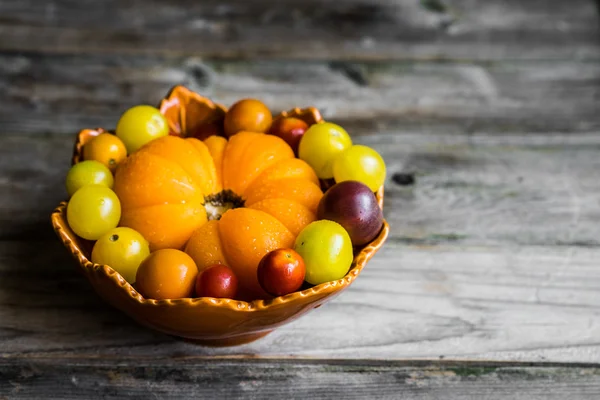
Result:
217,281
281,272
289,129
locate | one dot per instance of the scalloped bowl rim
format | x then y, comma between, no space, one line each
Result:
358,263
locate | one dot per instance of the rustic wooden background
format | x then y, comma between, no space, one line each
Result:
487,113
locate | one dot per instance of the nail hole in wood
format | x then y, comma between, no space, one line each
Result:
403,178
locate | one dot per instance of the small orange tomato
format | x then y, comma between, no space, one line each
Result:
247,115
106,149
281,272
166,274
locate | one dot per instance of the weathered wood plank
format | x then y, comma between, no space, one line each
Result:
63,94
471,189
312,29
476,189
529,303
472,264
314,379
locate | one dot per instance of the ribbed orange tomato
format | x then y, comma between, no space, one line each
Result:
231,202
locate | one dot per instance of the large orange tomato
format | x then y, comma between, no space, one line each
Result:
231,202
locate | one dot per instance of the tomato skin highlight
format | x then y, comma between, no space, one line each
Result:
354,206
107,149
166,274
320,146
281,272
249,115
140,125
218,281
360,163
327,251
122,249
88,172
92,211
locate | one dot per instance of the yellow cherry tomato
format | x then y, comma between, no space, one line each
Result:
140,125
93,211
321,144
88,173
362,164
326,249
122,249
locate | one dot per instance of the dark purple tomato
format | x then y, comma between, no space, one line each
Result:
354,206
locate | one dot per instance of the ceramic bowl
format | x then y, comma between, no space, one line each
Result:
210,321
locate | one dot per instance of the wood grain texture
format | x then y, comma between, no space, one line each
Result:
470,189
62,94
493,246
311,29
314,379
493,254
528,303
486,113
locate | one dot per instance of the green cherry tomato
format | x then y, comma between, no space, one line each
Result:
360,163
88,173
321,144
122,249
93,211
326,249
140,125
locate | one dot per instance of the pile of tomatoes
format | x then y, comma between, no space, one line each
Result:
348,214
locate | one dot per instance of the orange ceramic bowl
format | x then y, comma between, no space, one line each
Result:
210,321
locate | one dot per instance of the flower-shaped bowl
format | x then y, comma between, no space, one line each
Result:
209,321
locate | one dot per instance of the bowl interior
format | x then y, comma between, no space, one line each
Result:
188,113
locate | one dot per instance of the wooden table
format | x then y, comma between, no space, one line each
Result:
487,114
